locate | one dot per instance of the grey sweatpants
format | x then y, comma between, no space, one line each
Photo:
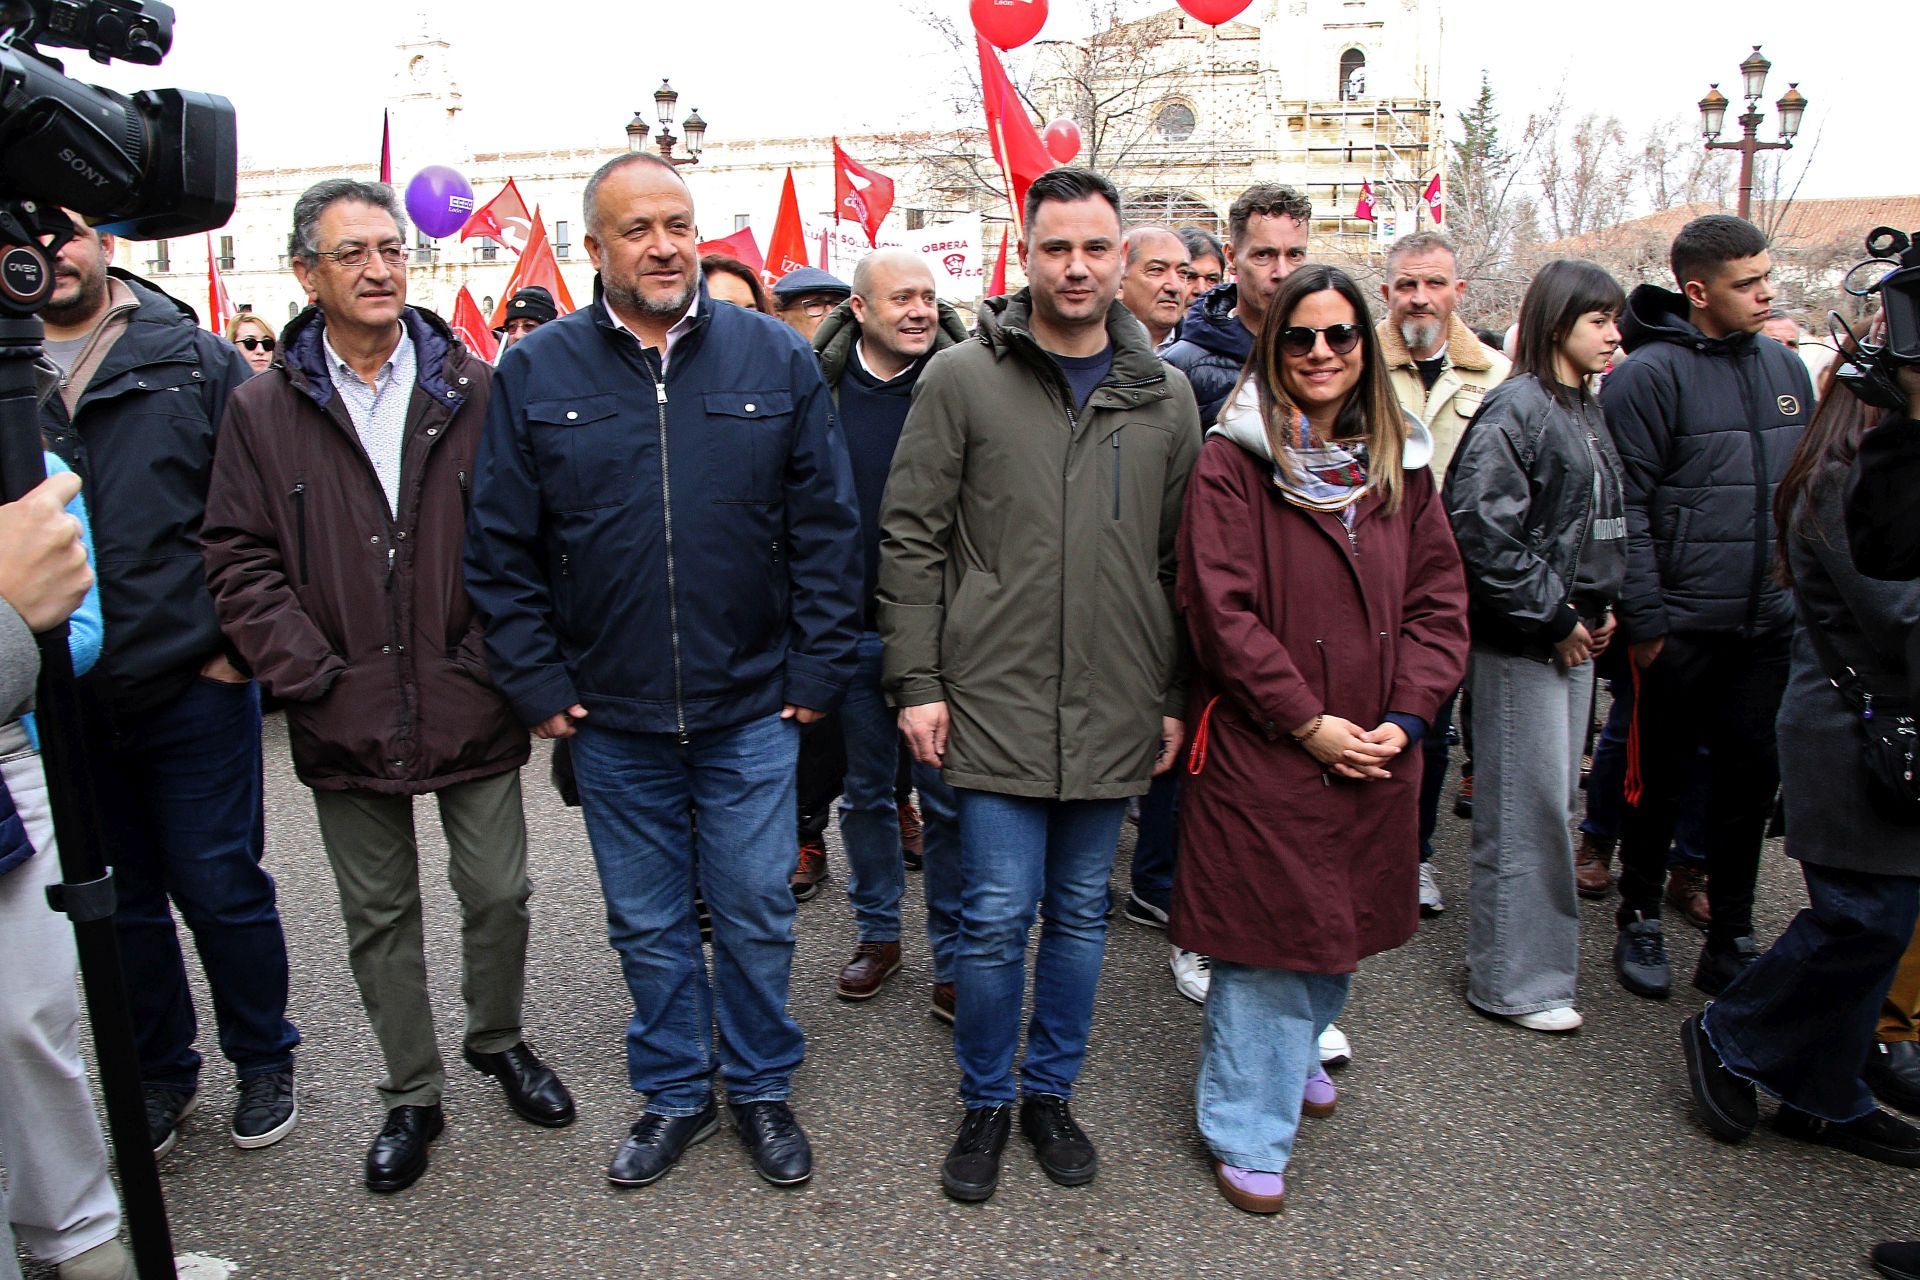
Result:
60,1202
1523,937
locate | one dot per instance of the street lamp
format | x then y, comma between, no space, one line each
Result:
664,101
1753,83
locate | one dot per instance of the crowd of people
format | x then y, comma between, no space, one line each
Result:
1178,525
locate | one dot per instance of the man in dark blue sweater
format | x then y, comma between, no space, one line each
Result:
872,349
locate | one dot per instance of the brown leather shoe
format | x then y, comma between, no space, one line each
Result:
1592,863
872,964
912,840
942,1009
1687,894
810,872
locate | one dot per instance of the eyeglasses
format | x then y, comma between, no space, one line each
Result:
1297,340
252,343
814,307
358,255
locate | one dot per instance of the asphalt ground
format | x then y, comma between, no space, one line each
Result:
1462,1147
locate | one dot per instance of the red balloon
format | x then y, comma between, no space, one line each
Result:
1010,23
1063,140
1215,12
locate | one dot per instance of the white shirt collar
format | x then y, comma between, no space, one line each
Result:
680,329
339,367
860,354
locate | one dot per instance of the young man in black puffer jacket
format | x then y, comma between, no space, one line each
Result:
1706,415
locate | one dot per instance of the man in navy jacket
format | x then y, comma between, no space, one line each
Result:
664,546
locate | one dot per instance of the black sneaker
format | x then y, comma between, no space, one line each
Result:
1726,1102
1065,1152
1721,963
779,1147
267,1110
1640,960
166,1108
1878,1135
1897,1259
972,1167
1140,911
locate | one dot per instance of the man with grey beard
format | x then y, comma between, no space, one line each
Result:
665,551
1440,371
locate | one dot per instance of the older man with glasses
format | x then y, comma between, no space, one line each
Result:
805,297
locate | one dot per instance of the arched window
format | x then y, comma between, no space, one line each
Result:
1175,121
1353,75
293,309
1169,209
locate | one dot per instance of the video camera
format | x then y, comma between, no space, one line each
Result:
1870,368
161,163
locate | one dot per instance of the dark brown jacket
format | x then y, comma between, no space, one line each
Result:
356,618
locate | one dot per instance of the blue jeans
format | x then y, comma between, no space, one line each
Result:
940,867
1018,855
179,787
1157,848
1434,757
637,791
1799,1021
1606,786
869,816
1259,1045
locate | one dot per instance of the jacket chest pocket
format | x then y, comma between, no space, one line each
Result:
583,451
1137,456
749,435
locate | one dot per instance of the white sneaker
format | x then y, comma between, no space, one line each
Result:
1192,972
1565,1018
1431,903
1334,1049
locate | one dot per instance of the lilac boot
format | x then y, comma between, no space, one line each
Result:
1320,1096
1253,1190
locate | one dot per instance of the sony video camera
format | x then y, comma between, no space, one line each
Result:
161,163
1869,367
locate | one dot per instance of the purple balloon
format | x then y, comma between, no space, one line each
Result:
439,200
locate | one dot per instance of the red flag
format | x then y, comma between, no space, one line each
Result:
386,149
862,194
1365,208
220,308
998,284
740,246
1436,199
536,266
471,327
787,247
1016,143
504,217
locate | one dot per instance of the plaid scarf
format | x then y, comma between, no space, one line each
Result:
1330,477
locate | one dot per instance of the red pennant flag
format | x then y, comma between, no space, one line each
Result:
997,286
536,266
787,248
1365,208
740,246
471,327
386,149
1016,143
505,218
220,308
1436,199
862,194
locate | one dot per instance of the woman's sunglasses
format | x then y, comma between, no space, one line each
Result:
1297,340
267,343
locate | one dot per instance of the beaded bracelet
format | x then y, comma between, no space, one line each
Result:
1312,728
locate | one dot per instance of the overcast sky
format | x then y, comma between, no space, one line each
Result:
309,80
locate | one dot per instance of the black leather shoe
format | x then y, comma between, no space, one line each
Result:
533,1091
779,1146
398,1156
1064,1151
1722,962
972,1168
1893,1073
656,1142
1878,1135
1897,1259
1726,1102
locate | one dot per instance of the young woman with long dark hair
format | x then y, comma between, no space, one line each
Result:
1536,504
1322,591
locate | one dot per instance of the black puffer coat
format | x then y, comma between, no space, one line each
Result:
1705,428
1212,349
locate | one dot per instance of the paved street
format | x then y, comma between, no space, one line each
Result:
1462,1147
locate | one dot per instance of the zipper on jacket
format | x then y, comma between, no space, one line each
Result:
1116,475
466,495
673,596
299,496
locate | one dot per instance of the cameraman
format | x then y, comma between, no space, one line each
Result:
62,1200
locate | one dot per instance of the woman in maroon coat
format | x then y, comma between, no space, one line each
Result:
1323,592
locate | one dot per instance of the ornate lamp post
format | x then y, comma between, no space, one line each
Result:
1713,113
695,129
